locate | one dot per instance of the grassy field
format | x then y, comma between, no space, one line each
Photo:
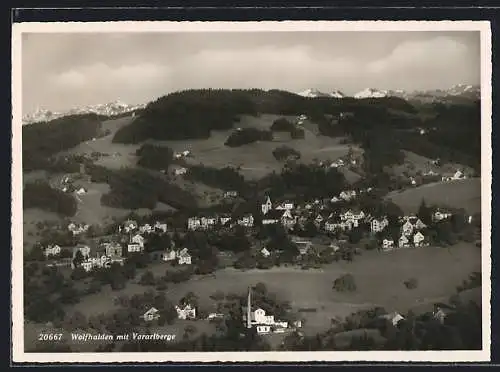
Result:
379,278
456,194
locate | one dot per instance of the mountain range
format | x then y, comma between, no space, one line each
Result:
459,90
106,109
456,92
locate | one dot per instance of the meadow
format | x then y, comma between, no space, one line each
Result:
379,278
456,194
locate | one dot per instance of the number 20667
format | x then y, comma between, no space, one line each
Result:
50,337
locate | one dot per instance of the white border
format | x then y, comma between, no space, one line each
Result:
18,354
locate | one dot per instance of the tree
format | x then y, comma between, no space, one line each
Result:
345,283
424,213
147,278
77,261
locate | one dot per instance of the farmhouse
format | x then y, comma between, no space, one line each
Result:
151,314
265,252
440,215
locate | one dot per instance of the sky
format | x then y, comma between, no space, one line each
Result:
65,70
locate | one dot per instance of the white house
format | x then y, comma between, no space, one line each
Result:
52,250
134,247
246,220
285,206
287,219
186,312
271,217
224,220
151,314
146,228
231,194
440,215
378,225
113,249
407,228
194,223
84,250
265,252
393,317
169,255
183,257
403,242
347,195
130,225
138,239
81,191
263,329
418,239
387,244
266,206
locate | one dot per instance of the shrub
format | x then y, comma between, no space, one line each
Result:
411,283
285,152
345,283
248,135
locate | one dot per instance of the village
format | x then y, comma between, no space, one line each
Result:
339,224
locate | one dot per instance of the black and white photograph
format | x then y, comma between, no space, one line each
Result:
254,191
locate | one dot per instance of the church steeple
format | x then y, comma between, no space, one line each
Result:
249,308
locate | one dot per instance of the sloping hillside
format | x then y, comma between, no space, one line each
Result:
456,194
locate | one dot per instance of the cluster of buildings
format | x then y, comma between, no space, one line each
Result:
254,316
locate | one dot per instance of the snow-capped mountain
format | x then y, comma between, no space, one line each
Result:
336,94
371,93
105,109
313,93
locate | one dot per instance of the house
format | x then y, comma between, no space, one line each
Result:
130,225
52,250
334,247
263,329
393,317
302,117
440,314
319,220
287,219
169,255
134,247
271,217
194,223
160,227
407,228
246,220
266,206
403,242
334,199
337,163
231,194
378,224
387,244
146,228
224,220
285,206
83,249
186,311
347,195
440,215
151,314
215,316
458,175
186,153
265,252
138,239
332,223
258,316
180,171
113,249
418,239
183,257
77,229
